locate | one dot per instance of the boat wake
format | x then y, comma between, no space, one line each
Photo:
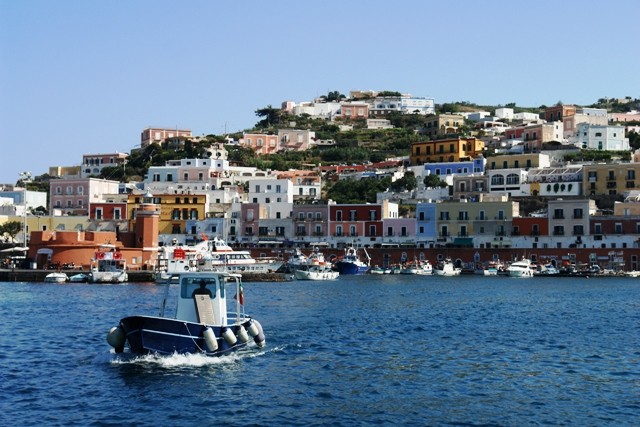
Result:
185,360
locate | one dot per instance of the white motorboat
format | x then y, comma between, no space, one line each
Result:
313,267
57,277
108,265
446,268
418,267
316,272
521,268
215,255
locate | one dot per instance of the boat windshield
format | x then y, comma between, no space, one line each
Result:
191,284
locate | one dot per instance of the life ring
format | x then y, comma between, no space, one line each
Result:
199,257
117,255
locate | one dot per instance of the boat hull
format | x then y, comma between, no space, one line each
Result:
316,275
159,335
350,268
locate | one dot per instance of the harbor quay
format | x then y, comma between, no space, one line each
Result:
618,259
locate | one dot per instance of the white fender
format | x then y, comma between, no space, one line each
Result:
228,336
210,339
242,334
252,328
116,338
259,339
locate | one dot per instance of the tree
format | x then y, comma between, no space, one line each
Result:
272,116
333,96
434,181
12,228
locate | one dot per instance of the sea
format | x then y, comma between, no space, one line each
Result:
357,351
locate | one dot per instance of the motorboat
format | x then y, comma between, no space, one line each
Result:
546,270
108,265
521,268
316,272
418,267
80,278
216,255
492,268
198,315
57,277
312,267
446,268
172,263
350,262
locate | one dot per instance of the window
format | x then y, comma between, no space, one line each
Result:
558,214
117,214
98,213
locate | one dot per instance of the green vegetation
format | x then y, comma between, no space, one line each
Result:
597,156
11,229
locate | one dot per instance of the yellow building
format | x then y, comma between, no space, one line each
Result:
483,223
515,161
442,124
445,150
175,210
610,179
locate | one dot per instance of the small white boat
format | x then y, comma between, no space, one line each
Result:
418,267
108,265
316,273
56,277
80,278
313,267
521,268
446,268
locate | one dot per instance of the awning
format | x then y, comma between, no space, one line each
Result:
463,241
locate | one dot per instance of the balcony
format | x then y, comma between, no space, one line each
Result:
611,184
558,216
558,233
534,233
578,216
501,233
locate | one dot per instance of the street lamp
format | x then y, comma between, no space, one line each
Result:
25,177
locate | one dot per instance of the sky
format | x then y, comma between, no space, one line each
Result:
86,77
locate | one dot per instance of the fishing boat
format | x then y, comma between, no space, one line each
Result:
316,273
194,319
350,262
57,277
446,268
546,270
521,268
492,268
215,254
312,267
418,267
108,265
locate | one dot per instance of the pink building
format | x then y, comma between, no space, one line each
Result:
92,164
74,196
354,110
261,143
157,135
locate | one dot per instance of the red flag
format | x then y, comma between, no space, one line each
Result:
241,297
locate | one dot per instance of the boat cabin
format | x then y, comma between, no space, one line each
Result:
202,297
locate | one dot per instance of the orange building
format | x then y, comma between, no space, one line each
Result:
139,247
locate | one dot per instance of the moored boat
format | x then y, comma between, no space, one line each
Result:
108,266
418,267
197,320
521,268
215,254
446,268
350,262
316,273
57,277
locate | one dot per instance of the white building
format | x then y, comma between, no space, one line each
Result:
406,104
504,113
274,195
607,138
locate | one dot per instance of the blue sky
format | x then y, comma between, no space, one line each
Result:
79,77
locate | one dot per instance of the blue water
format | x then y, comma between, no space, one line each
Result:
383,350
